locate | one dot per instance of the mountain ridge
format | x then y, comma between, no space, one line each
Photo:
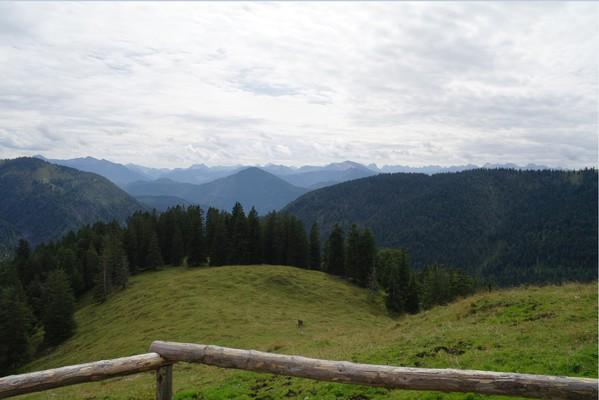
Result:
43,201
504,224
251,187
199,173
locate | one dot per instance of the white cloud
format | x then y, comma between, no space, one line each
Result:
171,84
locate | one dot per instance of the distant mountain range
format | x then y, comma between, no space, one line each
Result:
506,225
116,173
267,188
252,187
42,201
307,176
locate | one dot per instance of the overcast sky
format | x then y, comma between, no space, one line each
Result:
172,84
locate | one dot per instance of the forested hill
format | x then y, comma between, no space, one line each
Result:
507,225
42,201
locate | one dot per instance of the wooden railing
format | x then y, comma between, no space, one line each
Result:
164,354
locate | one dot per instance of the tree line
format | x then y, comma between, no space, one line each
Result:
406,290
39,288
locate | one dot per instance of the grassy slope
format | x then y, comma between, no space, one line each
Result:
551,330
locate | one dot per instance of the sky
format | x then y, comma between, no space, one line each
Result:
175,84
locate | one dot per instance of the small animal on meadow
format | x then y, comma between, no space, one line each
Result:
300,323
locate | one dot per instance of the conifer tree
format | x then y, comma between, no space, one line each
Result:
238,236
297,244
121,272
254,237
153,257
91,266
100,291
177,249
314,247
220,245
196,243
212,221
59,322
352,256
16,322
335,252
130,246
68,262
365,258
103,281
373,285
22,261
412,304
35,296
396,277
269,238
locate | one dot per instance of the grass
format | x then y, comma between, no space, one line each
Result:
548,330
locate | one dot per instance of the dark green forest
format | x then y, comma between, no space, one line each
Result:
506,226
39,287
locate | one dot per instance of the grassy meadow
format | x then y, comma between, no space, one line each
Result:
546,330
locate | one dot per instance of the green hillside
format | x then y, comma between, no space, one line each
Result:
42,202
549,330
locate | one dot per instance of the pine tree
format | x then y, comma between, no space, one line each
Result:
153,257
103,281
35,294
314,247
67,260
16,321
196,243
254,237
130,245
373,285
121,272
220,246
412,304
269,238
91,266
395,269
177,249
366,257
22,261
335,252
100,292
59,322
238,236
298,251
352,256
212,217
434,286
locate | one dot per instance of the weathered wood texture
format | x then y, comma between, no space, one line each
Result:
164,383
95,371
445,380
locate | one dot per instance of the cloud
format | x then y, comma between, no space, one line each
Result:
173,84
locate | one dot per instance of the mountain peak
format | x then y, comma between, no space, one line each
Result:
343,165
253,171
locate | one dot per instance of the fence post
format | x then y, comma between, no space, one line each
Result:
164,382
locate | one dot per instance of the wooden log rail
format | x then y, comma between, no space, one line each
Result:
444,380
73,374
164,354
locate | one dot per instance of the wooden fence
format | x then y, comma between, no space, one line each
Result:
164,354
